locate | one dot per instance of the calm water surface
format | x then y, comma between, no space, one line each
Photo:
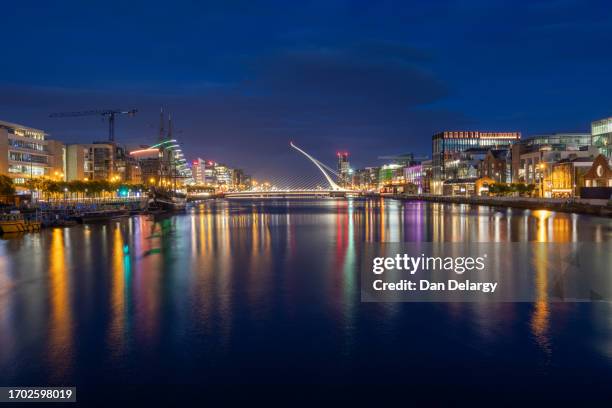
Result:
268,292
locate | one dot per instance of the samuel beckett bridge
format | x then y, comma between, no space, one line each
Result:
304,187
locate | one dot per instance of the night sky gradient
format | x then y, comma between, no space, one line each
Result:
242,79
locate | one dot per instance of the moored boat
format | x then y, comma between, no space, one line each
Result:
15,222
167,201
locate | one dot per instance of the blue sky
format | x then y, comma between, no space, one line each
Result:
242,78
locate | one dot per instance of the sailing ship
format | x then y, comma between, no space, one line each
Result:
165,196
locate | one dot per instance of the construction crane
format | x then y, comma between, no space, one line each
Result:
106,113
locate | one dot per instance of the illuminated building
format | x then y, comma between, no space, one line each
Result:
496,165
567,176
601,136
95,161
391,178
27,153
418,177
366,179
209,173
198,168
598,180
223,176
240,180
344,167
163,164
552,141
535,166
445,144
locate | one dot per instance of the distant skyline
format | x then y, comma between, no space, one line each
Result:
243,78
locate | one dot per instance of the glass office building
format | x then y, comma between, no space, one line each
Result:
601,136
445,144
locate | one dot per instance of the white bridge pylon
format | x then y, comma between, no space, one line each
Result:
333,186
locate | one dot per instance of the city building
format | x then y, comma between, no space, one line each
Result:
464,163
93,161
240,180
419,176
149,163
163,164
344,168
598,180
133,171
496,165
446,144
198,167
567,176
209,173
552,141
391,178
26,153
535,166
601,136
366,179
223,176
560,141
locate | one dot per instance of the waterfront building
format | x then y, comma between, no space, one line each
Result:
560,141
26,153
366,179
446,144
496,165
465,163
149,163
598,179
419,176
133,171
163,164
553,141
601,136
198,168
223,176
459,187
344,167
535,166
567,176
209,173
404,159
93,161
391,178
240,180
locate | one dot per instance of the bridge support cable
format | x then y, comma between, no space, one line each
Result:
332,184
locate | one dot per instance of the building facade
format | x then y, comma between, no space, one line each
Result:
496,165
446,144
598,180
567,176
94,161
366,179
535,166
601,136
344,168
26,153
198,167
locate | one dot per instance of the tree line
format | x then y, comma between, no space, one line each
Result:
503,189
51,188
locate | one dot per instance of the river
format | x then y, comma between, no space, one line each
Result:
267,292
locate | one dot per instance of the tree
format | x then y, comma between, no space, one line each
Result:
7,188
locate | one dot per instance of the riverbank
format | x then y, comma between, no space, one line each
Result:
578,206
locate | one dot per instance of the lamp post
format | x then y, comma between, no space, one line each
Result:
542,170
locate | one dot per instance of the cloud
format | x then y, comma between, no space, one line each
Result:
372,99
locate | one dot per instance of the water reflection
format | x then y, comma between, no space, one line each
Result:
60,329
255,278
